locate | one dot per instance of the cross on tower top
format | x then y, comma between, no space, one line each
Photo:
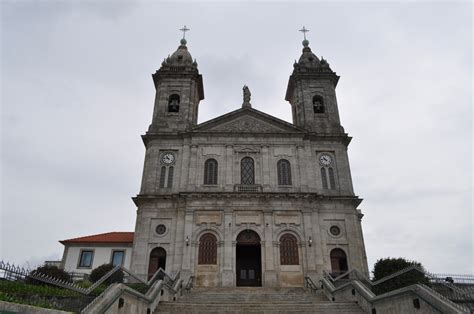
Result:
304,31
184,30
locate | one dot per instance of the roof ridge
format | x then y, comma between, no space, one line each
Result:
123,236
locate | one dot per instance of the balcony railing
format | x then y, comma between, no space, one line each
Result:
247,188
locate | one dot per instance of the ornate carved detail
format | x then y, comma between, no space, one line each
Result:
247,125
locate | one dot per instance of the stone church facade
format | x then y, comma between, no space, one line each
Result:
247,199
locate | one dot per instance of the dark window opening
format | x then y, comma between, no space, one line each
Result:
170,177
247,171
338,262
157,261
284,172
318,104
162,177
210,171
289,250
324,178
207,249
332,181
173,103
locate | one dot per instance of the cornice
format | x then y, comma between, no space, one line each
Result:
343,138
141,199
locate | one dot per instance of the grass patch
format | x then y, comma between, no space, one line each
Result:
21,288
11,298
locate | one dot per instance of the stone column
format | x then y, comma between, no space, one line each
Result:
266,168
229,160
193,168
303,166
318,242
185,166
187,268
270,273
309,250
228,265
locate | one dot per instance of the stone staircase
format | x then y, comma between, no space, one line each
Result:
255,300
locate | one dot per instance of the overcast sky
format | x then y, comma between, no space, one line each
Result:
77,94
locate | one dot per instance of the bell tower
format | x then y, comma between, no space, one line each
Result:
311,93
179,90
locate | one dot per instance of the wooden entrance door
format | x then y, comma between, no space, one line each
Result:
248,259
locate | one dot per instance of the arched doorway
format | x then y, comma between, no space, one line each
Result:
248,259
157,261
338,262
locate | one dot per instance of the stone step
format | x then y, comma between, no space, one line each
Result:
198,308
255,300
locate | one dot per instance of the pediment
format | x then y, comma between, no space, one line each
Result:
246,120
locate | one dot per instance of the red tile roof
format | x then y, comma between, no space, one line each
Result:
109,237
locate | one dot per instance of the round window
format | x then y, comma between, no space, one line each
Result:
335,230
160,229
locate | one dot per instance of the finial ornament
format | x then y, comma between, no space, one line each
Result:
247,95
184,30
304,31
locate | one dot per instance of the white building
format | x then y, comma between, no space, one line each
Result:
82,255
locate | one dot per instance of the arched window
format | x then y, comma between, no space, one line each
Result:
324,178
284,172
162,177
170,177
247,171
338,262
289,250
318,104
173,103
157,261
207,249
332,182
210,171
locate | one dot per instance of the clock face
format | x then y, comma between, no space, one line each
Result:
167,158
325,160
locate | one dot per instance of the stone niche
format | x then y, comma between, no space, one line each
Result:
208,217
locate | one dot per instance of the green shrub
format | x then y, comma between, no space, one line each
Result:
387,266
100,272
51,271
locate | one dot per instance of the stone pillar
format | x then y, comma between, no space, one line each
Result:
229,160
270,273
193,168
185,166
266,168
309,250
179,243
187,268
302,165
318,249
228,265
310,170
